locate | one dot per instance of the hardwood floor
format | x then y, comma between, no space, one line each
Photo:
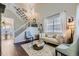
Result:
8,48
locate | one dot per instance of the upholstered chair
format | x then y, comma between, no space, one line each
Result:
69,49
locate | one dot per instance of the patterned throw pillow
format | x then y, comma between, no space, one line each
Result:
60,38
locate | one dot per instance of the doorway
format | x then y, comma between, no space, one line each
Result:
7,36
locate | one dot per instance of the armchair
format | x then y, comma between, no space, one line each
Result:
31,33
69,49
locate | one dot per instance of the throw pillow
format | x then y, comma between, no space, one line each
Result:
60,38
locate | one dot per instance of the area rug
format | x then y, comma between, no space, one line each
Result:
46,51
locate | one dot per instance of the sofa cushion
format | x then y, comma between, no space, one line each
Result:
51,40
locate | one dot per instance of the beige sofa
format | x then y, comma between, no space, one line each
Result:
56,39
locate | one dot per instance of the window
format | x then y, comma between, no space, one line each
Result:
55,23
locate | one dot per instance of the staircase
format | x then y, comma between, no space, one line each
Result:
21,12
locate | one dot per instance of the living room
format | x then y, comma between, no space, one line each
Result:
41,29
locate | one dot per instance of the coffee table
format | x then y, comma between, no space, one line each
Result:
47,50
38,44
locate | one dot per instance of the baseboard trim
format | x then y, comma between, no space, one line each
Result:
23,42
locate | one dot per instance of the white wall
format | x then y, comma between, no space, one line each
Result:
46,9
77,20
